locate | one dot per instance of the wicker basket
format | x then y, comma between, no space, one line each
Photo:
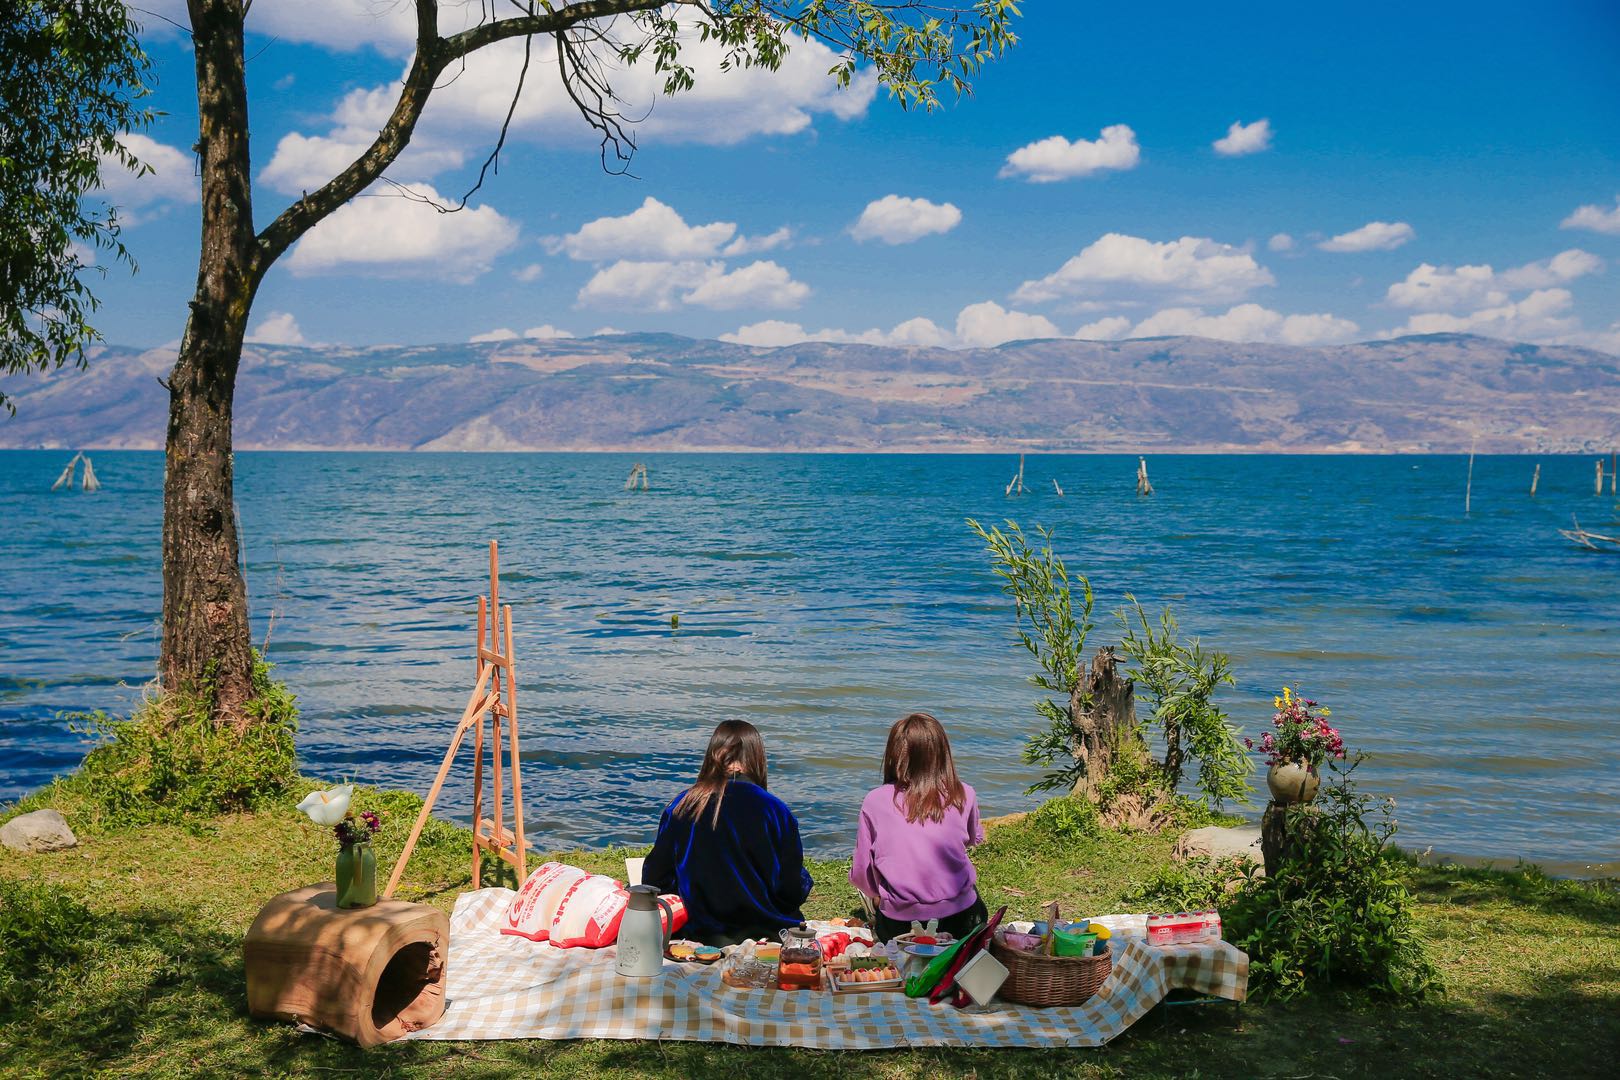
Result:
1033,979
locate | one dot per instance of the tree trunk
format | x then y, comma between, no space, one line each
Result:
1101,725
205,623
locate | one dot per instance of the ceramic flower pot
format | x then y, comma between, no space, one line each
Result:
356,876
1292,782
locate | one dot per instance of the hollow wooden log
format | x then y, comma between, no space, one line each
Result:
367,974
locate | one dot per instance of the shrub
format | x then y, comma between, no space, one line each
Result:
1065,820
1052,627
170,761
42,935
1338,910
1197,884
1180,680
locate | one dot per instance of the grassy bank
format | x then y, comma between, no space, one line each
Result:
143,970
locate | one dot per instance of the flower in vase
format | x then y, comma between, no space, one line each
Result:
328,807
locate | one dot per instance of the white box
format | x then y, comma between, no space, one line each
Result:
981,977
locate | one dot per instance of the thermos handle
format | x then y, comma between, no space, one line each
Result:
668,926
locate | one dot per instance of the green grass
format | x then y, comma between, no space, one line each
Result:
143,973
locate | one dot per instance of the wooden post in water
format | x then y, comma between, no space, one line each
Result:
1468,492
1017,482
1597,487
1057,486
1535,478
1143,486
1612,470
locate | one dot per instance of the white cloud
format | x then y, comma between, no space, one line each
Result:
172,178
659,284
343,25
754,245
1243,139
1056,158
1115,326
988,323
652,231
1604,340
1280,242
633,285
1440,288
1247,322
277,328
1445,288
978,325
1373,236
1541,316
303,163
1193,267
1596,218
537,333
530,273
895,219
757,285
399,237
1563,267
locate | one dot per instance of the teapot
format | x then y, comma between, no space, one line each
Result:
642,937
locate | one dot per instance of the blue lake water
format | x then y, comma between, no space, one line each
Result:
1476,658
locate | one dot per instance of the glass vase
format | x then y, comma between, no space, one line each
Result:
356,876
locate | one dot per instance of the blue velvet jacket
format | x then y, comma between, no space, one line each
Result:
744,875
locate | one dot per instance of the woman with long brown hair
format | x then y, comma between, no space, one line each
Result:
911,845
730,848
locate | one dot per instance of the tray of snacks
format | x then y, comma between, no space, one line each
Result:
863,975
692,952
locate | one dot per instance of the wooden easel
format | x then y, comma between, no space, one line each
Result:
494,695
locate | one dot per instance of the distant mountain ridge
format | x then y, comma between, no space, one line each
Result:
664,392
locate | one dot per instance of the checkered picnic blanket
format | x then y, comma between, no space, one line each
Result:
504,987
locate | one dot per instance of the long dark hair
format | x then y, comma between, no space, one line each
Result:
734,743
918,763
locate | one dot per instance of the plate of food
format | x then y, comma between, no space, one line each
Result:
692,952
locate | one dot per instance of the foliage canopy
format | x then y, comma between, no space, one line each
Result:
72,76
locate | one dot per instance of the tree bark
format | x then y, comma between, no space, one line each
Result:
1100,726
205,615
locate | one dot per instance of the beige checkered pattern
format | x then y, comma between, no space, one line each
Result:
503,987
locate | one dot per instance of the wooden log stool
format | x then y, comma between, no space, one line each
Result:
368,974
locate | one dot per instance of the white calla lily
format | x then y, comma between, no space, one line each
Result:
328,807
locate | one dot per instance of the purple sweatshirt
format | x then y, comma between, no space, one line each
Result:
918,870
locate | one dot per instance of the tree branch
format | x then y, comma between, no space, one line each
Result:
433,54
550,22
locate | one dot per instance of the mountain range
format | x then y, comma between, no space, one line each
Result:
1444,392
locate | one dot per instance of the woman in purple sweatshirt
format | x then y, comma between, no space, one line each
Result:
911,847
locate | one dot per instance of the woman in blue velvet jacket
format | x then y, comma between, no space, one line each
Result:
730,848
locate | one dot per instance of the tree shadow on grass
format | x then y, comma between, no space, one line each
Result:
162,992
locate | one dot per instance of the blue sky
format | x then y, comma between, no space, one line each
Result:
1395,168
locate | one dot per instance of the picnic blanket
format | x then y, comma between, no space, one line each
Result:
504,987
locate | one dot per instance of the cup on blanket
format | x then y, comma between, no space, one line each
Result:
632,871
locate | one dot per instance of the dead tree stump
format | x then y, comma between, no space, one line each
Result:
368,974
1102,708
